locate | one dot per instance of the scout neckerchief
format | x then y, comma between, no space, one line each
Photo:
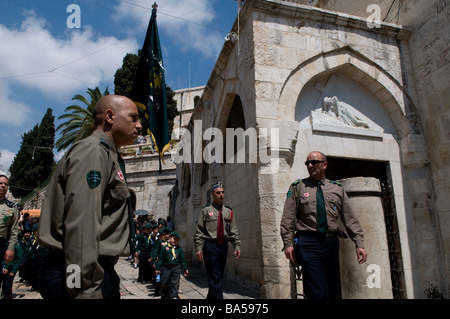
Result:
173,251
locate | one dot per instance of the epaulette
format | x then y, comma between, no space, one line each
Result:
206,205
296,182
104,143
10,204
228,207
336,183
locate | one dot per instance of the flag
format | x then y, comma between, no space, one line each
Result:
149,88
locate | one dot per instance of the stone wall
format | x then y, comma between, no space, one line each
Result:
287,55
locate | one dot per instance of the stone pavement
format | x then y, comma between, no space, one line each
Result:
194,286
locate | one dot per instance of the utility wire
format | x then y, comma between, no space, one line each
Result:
107,47
175,17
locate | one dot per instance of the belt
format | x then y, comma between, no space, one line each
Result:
316,234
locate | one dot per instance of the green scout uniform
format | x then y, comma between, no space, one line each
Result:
85,212
171,256
170,261
154,254
143,250
207,226
15,264
9,224
299,213
6,281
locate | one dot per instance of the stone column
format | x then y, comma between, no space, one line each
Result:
372,279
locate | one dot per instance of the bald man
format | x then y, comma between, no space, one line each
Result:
314,209
85,218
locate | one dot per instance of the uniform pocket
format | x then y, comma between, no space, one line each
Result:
335,206
115,201
211,224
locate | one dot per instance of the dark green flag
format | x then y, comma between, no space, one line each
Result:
149,87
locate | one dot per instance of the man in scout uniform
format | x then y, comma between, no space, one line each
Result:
9,223
170,261
86,215
215,228
313,210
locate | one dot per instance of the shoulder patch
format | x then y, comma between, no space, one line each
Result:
296,182
94,178
336,183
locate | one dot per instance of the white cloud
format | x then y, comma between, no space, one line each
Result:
13,113
182,20
6,160
33,49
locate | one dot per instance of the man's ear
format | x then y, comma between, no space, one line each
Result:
109,116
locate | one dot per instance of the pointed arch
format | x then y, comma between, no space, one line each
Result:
359,68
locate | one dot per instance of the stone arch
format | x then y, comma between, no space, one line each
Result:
359,68
405,151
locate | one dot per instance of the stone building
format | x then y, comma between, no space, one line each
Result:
367,85
155,190
186,101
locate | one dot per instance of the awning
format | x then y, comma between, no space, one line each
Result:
32,212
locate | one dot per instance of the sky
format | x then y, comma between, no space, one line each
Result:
51,50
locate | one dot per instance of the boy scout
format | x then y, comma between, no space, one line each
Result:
143,249
313,210
86,214
9,271
9,222
215,227
170,260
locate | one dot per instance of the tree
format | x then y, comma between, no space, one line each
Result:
123,84
80,123
34,162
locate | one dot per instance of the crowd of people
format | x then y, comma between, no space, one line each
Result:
87,221
150,257
158,256
27,260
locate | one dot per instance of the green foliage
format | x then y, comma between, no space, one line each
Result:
34,162
80,120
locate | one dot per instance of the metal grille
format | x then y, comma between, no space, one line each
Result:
393,239
298,282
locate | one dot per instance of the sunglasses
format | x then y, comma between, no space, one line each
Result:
313,162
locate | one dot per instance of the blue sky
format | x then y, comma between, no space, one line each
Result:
44,62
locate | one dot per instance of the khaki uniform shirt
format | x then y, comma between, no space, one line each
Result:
9,223
303,218
85,210
207,226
